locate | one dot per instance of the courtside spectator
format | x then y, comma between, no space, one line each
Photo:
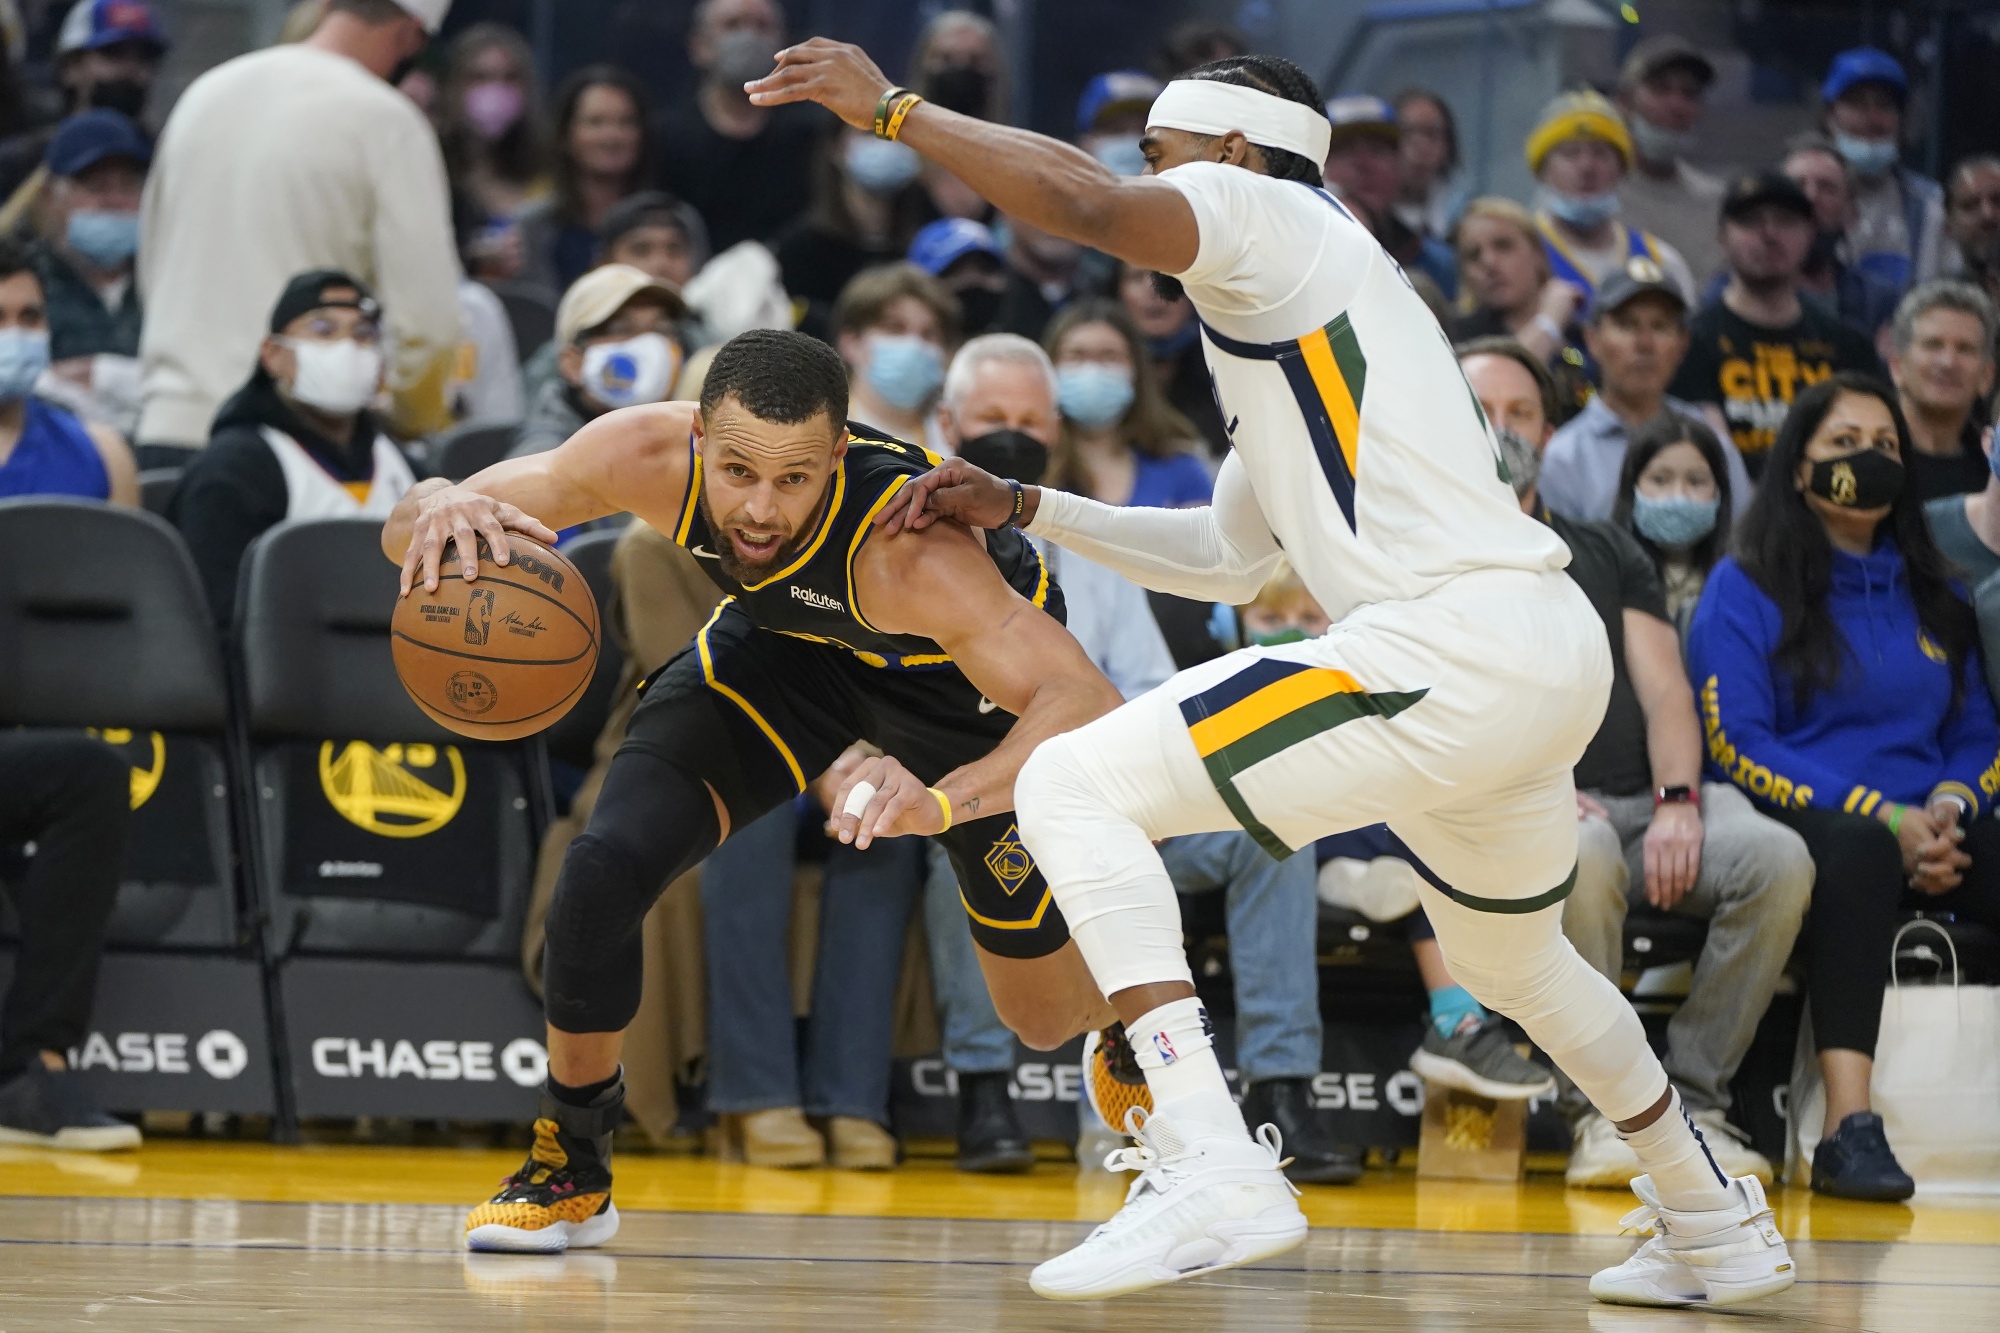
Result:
1967,529
1864,302
1000,413
867,207
324,165
1173,342
108,55
601,156
1431,191
1898,232
1942,367
1660,89
965,257
1111,118
97,171
69,795
45,449
1637,335
619,341
1364,167
1581,152
297,440
1122,442
490,120
1759,345
1675,495
1840,680
895,326
746,169
1972,222
1514,293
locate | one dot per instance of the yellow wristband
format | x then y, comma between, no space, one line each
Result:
944,804
904,105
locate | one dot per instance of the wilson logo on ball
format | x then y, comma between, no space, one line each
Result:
547,573
471,693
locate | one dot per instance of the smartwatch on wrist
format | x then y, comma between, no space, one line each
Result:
1673,796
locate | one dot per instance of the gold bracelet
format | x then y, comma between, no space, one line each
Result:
903,107
944,804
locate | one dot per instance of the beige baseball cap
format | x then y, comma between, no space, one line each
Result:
601,293
431,12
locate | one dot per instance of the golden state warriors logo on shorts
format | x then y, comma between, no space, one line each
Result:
1009,861
381,790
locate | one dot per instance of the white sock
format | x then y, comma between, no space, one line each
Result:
1674,1155
1174,1045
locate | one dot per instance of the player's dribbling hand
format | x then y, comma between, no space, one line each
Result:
462,517
896,804
838,76
954,489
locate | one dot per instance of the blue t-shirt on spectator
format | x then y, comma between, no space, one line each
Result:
1178,481
54,456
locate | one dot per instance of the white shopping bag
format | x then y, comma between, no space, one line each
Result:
1936,1083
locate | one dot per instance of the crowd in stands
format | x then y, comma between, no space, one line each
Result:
1757,406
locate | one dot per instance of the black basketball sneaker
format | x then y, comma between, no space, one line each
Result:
560,1199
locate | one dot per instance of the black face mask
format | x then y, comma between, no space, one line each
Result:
1007,453
960,88
1866,480
979,305
125,96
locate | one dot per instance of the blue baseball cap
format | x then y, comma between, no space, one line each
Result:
1120,90
944,242
89,137
1864,64
93,24
1362,113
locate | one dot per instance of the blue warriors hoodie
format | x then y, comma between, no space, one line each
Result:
1886,729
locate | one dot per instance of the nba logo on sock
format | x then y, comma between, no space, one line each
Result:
1164,1047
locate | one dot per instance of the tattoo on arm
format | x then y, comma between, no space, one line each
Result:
971,804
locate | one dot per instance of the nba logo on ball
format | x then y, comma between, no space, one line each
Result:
471,693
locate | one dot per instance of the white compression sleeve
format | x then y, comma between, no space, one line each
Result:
1223,552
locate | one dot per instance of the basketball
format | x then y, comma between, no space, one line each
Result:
504,656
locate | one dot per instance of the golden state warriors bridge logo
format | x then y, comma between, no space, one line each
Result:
145,751
398,791
1009,861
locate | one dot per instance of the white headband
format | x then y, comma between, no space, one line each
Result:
1204,106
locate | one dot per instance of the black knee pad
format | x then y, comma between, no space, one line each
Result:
592,963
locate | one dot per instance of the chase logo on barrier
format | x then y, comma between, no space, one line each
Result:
377,791
145,751
220,1053
522,1060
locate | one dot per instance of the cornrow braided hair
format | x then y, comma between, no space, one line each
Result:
1280,78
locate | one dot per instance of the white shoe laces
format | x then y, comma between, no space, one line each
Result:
1163,1159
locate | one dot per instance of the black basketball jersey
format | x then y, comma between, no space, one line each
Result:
812,595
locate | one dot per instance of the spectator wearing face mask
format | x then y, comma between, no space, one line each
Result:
1431,189
1972,223
620,346
489,120
1581,152
746,169
1364,168
298,440
965,257
867,207
108,54
44,448
1638,335
958,64
1942,367
1676,497
1898,231
1514,293
1111,118
1121,442
894,327
1173,342
602,156
1660,89
1863,302
97,170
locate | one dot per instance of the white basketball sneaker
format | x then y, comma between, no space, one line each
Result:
1719,1258
1198,1205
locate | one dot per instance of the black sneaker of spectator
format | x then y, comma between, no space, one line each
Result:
49,1109
1856,1163
1315,1158
990,1138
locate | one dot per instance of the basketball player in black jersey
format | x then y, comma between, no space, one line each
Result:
943,647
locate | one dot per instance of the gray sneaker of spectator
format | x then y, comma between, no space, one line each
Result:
1479,1059
49,1109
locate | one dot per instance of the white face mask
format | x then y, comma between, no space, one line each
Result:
638,370
339,378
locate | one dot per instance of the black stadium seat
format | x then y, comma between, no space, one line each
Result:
157,486
574,738
377,831
103,625
461,453
531,313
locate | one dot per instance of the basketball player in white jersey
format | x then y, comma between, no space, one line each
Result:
1460,684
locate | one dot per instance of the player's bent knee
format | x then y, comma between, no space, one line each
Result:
1049,783
601,896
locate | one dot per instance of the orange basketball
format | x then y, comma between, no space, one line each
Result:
504,656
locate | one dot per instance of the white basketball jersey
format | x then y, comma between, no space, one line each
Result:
1365,447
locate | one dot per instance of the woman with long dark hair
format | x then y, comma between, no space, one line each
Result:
489,119
1841,687
1673,495
603,153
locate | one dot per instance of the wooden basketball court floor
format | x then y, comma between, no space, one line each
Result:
192,1234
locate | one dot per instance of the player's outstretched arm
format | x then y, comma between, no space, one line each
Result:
941,584
1042,181
635,460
